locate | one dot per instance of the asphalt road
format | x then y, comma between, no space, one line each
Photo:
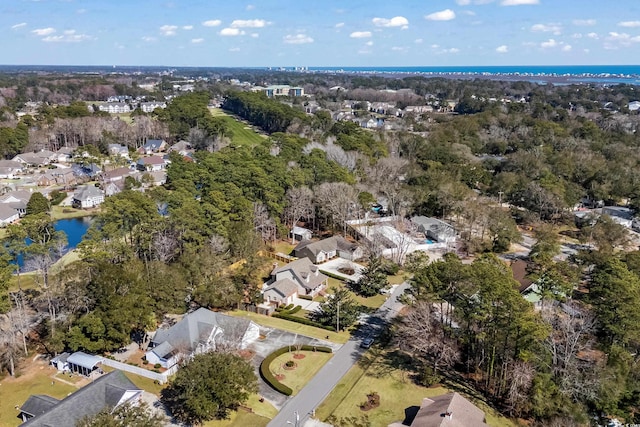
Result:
311,396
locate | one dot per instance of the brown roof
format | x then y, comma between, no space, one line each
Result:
448,410
519,269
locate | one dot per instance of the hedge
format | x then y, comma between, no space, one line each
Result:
295,309
270,379
307,297
333,275
303,321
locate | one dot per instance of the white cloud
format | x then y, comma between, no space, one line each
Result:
443,15
168,30
297,39
187,27
584,22
68,36
547,28
231,32
622,38
396,21
566,48
463,2
249,23
250,7
518,2
435,46
339,25
148,39
196,41
369,43
418,41
576,36
629,24
255,35
502,49
549,44
234,49
593,36
399,49
20,25
44,31
451,50
360,34
212,23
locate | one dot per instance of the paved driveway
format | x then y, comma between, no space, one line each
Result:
311,396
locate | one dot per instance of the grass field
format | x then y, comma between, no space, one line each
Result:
397,393
305,370
370,302
15,391
243,134
296,328
66,212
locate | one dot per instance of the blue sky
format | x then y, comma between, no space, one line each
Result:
257,33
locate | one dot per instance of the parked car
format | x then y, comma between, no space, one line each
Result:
366,343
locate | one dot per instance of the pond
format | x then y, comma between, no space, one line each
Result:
74,228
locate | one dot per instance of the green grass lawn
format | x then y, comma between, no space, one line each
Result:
369,303
243,134
296,328
283,247
397,392
305,370
65,212
15,391
240,418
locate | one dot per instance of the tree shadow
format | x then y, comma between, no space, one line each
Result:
410,414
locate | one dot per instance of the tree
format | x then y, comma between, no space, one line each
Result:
339,310
299,206
209,387
373,279
503,229
139,415
339,201
37,204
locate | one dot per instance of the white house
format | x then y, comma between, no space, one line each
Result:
151,164
88,196
148,107
199,332
326,249
300,233
8,215
115,108
302,273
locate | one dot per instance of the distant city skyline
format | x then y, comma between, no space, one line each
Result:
262,33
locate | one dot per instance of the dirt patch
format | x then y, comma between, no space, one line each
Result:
299,356
280,377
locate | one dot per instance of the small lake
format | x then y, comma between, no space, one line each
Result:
74,228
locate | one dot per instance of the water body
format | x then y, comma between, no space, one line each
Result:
74,228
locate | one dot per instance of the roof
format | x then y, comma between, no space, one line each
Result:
86,192
106,391
302,271
519,269
116,173
6,211
300,230
85,360
12,164
153,144
434,412
38,404
180,146
284,288
326,245
196,327
21,195
61,357
152,160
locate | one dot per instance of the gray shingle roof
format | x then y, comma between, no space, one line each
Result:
303,272
38,404
106,391
284,287
433,412
326,245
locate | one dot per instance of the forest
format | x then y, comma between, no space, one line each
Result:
491,168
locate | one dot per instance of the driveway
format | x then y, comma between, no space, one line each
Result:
334,264
275,339
311,396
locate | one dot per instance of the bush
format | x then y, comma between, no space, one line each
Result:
290,364
270,379
303,321
288,307
157,366
390,268
332,275
307,297
295,309
57,197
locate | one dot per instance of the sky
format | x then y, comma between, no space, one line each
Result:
369,33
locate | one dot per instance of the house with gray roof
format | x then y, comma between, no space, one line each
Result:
199,332
10,168
281,292
303,273
109,391
8,215
447,410
435,229
153,146
326,249
87,196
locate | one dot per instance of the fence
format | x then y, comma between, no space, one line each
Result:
160,377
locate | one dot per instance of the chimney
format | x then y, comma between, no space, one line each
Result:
314,270
305,276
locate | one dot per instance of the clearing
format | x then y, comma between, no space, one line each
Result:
243,133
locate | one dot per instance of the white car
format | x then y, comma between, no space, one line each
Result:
366,343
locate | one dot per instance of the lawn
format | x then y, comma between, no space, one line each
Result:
370,302
283,247
15,391
293,327
243,134
262,413
305,370
397,393
66,212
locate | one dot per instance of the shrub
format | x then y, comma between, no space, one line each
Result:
157,366
289,307
290,364
307,297
390,268
270,379
302,320
295,309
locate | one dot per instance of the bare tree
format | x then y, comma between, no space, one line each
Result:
165,245
520,377
263,223
299,206
339,201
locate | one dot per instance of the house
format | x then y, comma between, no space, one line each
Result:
279,90
621,215
447,410
46,179
10,168
114,175
111,188
38,159
282,292
118,150
634,106
109,391
435,229
148,107
181,147
151,164
60,362
91,170
17,200
326,249
8,215
115,108
300,233
303,274
64,155
87,196
198,332
153,146
158,177
368,123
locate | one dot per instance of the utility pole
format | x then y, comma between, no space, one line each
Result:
500,197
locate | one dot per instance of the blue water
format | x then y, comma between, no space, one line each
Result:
574,73
74,228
